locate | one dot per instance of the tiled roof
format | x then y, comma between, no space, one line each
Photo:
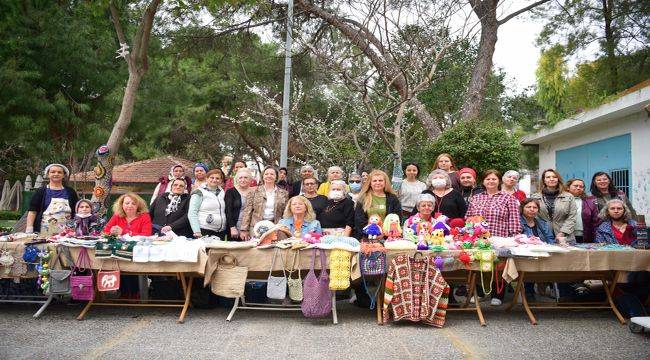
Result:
145,171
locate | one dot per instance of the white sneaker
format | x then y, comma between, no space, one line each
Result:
495,302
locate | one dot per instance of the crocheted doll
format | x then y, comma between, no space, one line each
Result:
440,223
373,230
424,229
392,228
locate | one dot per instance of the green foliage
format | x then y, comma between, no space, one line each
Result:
9,215
551,83
56,67
481,145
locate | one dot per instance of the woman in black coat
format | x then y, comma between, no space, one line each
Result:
169,211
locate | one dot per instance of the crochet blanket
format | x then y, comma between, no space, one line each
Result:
416,291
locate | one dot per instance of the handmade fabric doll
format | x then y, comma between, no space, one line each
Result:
373,229
392,228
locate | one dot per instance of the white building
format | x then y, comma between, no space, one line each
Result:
614,137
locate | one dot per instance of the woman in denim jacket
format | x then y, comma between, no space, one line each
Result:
299,217
532,224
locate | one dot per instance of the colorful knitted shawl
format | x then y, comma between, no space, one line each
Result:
416,290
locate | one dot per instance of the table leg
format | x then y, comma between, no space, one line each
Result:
524,301
380,301
608,293
518,290
180,277
477,303
234,308
470,276
47,303
188,293
335,318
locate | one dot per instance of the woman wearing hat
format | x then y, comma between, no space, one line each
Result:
165,184
468,187
51,206
200,175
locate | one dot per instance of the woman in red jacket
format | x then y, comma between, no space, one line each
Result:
130,217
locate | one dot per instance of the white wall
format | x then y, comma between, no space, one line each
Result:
638,126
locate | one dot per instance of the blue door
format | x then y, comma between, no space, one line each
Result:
613,155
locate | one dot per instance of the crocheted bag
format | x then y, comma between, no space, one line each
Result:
339,270
374,264
81,280
316,300
60,279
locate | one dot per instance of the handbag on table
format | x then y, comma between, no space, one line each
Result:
295,285
60,279
108,280
230,279
316,300
81,279
277,285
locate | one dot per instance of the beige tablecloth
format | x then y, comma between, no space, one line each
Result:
146,268
581,261
259,260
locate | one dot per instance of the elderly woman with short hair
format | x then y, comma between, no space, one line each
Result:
299,217
235,199
448,201
338,215
306,171
509,185
333,173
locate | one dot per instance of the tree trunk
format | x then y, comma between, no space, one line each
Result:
106,153
610,45
475,95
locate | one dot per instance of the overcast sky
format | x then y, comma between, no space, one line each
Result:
516,52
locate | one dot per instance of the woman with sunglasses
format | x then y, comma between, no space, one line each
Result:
309,190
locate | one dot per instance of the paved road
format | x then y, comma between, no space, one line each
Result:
110,333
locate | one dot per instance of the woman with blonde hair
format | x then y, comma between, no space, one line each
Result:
375,198
130,217
299,217
445,162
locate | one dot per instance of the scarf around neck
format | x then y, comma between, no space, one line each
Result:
174,201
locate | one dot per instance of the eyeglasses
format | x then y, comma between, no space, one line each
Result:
355,181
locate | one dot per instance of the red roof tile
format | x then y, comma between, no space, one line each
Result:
145,171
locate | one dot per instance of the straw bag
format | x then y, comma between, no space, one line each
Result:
316,300
81,279
295,285
108,280
276,287
230,279
339,270
60,279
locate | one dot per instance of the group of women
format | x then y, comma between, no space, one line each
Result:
212,204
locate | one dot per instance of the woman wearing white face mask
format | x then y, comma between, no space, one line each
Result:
338,215
449,202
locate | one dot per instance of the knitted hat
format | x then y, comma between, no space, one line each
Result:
201,165
47,169
467,171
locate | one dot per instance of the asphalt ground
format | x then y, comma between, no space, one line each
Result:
130,333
